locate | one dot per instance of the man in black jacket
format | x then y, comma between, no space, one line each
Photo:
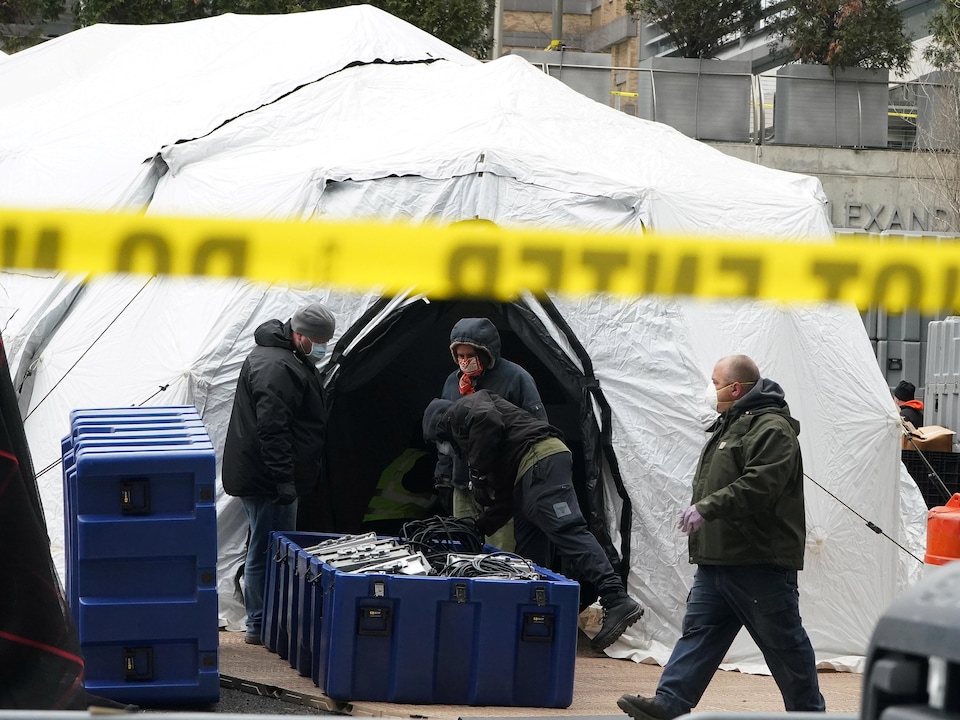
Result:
275,438
911,410
520,469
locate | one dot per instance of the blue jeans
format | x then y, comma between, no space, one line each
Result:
765,600
264,517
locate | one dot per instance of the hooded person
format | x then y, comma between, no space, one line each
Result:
273,446
475,348
911,410
521,469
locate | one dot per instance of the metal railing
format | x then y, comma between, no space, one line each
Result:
640,92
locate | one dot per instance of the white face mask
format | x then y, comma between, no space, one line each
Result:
710,397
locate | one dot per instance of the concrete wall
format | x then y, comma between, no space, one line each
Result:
874,191
877,191
528,24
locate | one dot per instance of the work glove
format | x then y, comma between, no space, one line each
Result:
286,493
690,520
476,478
480,488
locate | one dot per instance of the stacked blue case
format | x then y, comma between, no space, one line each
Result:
285,618
141,553
416,639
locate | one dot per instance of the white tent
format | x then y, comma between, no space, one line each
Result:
349,112
84,113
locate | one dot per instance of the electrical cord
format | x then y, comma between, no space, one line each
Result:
504,566
438,536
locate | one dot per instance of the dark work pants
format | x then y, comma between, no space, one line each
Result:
765,600
545,511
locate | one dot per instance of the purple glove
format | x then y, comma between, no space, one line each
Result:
691,520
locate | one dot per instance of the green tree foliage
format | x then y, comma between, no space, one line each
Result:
21,21
136,12
943,51
462,23
698,27
845,33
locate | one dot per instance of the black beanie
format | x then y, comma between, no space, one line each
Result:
904,391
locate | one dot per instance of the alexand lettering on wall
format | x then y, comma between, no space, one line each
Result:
880,217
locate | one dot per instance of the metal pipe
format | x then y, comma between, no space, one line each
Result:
557,42
497,29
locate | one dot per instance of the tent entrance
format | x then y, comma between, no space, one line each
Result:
394,360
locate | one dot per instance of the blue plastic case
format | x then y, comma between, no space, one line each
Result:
418,639
141,553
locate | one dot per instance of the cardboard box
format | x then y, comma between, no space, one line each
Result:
930,438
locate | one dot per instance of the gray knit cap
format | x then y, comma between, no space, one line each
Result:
315,321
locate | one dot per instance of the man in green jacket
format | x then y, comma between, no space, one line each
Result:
746,534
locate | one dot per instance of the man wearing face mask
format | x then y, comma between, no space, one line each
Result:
475,347
746,532
275,437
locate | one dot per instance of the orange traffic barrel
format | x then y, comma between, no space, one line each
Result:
943,533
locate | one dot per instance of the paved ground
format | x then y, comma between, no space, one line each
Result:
237,701
598,682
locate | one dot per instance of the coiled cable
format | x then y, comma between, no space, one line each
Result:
437,537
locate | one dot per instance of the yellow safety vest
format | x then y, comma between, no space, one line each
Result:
392,501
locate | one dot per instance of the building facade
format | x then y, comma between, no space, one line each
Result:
876,165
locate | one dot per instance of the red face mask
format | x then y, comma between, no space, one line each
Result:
470,367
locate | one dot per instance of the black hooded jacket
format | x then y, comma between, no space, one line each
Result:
493,435
500,376
276,427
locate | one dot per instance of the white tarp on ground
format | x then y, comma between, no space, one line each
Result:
278,124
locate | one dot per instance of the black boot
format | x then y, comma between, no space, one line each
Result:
620,611
643,708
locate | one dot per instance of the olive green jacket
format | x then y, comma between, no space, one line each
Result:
749,485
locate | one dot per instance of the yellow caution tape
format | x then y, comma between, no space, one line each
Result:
480,259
